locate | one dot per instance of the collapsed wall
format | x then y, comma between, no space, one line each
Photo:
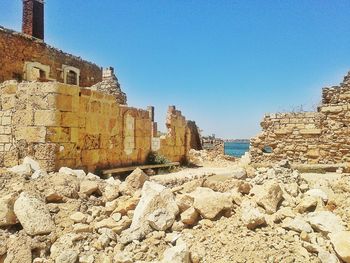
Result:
64,125
308,137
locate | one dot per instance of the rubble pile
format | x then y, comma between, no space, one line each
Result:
214,157
264,215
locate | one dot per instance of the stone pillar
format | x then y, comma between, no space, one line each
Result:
33,18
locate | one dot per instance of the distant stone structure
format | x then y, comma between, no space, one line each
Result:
65,111
308,137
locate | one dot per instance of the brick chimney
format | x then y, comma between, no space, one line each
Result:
33,18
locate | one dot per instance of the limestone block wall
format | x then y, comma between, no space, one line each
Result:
64,125
308,137
16,49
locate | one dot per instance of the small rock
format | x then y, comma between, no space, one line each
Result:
297,224
67,256
184,201
123,257
307,204
239,173
161,219
88,187
189,216
78,217
177,254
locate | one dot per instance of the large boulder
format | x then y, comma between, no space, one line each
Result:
268,195
7,215
325,221
251,215
341,244
153,197
210,203
177,254
33,215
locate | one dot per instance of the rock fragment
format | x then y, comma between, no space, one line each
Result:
7,214
210,203
341,244
268,195
33,215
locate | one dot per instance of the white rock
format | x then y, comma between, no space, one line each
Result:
177,254
325,221
210,203
7,215
327,257
68,171
318,193
37,174
297,224
153,196
239,173
251,215
34,165
268,195
161,219
341,244
89,176
22,170
33,215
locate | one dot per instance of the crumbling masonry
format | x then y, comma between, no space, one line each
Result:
65,111
308,137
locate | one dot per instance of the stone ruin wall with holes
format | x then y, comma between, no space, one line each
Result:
64,125
18,50
321,137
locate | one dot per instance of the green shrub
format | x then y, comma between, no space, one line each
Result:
155,158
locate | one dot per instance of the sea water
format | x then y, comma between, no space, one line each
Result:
236,149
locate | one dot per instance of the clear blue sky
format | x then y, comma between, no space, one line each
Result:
223,63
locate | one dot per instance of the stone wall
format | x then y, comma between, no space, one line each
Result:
64,125
308,137
17,49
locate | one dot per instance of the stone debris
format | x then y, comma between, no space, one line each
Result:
272,215
268,196
7,214
341,243
210,203
251,215
33,215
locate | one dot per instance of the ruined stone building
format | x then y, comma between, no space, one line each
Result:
65,111
308,137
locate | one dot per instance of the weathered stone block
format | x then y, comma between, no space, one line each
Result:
47,118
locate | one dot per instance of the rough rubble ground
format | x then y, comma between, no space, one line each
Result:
241,214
